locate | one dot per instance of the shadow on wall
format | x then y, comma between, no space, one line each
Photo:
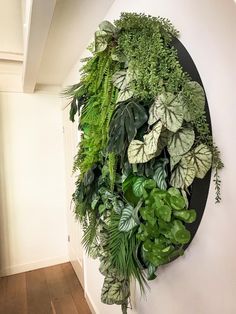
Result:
4,240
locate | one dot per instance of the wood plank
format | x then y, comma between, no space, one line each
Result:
15,300
61,298
38,298
76,289
3,293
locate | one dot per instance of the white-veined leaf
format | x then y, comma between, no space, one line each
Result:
107,27
127,220
151,139
174,160
124,95
181,141
120,79
200,158
100,41
182,176
170,110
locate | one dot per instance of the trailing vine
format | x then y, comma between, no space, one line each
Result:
145,138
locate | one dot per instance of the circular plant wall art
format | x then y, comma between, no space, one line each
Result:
146,139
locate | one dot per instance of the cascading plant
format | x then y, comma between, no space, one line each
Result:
145,138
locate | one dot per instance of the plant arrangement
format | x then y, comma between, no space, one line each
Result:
145,138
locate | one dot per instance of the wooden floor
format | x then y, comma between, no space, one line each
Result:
51,290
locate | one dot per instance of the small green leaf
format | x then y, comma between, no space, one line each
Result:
149,184
101,208
107,27
164,212
151,272
177,202
187,216
181,234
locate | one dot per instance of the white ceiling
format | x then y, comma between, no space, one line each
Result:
52,35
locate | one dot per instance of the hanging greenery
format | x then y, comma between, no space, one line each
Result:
145,138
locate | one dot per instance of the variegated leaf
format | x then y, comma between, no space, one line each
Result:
170,110
120,79
100,41
174,160
182,176
127,220
107,27
124,94
181,141
151,139
200,158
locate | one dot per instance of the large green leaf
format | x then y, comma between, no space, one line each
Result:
127,220
151,139
193,98
169,109
141,152
127,118
183,175
200,158
181,141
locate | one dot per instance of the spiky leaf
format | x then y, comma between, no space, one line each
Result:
200,159
170,110
181,141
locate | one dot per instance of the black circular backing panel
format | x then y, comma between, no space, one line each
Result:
200,187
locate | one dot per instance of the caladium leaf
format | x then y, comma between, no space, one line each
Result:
163,140
153,115
200,158
193,98
183,175
170,110
114,290
151,139
107,27
141,152
181,141
127,220
120,79
127,118
101,39
174,160
124,94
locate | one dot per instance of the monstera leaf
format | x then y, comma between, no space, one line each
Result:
183,175
161,175
101,39
169,109
127,220
107,27
200,159
193,97
126,119
181,141
141,152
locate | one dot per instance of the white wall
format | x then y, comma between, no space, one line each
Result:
204,280
33,230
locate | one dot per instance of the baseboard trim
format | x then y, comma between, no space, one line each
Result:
90,304
15,269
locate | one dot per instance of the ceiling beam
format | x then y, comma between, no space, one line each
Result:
37,25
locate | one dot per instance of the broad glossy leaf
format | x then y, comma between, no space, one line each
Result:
181,141
200,158
177,202
107,27
193,101
170,110
181,234
127,220
127,118
183,175
101,39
